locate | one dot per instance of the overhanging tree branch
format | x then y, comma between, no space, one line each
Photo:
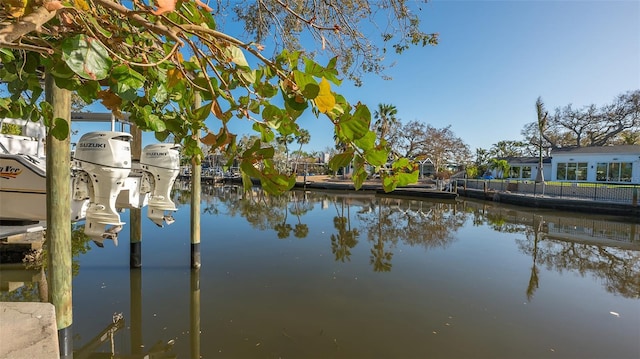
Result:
29,23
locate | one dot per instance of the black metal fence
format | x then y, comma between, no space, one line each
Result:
618,193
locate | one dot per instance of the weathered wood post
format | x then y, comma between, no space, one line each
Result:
59,215
196,189
135,214
194,313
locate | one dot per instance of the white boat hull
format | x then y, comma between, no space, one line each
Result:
22,188
20,206
23,195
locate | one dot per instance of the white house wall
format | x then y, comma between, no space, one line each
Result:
546,171
592,160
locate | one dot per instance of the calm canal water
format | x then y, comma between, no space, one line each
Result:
337,275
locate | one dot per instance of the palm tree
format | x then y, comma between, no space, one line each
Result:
501,165
534,278
542,122
340,146
285,140
385,119
302,138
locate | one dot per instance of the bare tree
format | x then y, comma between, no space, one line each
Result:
615,123
546,142
623,114
442,146
409,141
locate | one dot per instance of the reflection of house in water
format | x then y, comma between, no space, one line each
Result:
563,226
605,248
626,235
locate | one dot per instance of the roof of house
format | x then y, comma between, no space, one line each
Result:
526,160
621,149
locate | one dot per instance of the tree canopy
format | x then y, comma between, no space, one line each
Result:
610,124
617,123
420,141
151,61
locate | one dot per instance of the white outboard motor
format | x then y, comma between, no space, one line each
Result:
103,159
160,164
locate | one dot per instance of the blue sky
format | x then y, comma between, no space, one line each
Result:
496,57
493,61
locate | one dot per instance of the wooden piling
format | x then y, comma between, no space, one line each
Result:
194,313
196,187
58,154
135,214
196,190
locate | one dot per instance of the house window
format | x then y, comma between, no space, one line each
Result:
625,171
561,172
614,172
602,169
581,172
514,172
520,172
571,171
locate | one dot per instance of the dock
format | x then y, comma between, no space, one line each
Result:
29,331
416,192
21,241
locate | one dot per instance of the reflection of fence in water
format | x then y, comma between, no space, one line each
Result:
565,227
623,193
418,208
581,228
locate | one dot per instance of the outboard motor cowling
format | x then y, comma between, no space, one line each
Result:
105,158
160,164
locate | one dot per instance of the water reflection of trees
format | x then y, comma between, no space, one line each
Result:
385,220
618,269
606,250
346,237
413,222
561,242
299,208
260,210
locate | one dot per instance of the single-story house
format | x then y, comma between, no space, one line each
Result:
525,168
611,164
